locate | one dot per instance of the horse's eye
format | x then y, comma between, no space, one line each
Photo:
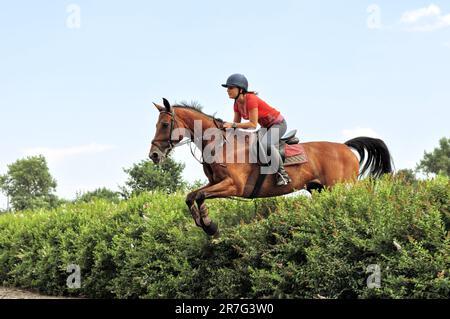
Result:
165,125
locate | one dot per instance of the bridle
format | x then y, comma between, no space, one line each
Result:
169,138
172,145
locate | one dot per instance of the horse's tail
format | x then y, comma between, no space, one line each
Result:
379,160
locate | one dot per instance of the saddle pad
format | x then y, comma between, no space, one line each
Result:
295,154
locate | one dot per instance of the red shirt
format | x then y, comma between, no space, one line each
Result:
267,115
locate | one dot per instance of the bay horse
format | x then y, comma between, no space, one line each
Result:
328,163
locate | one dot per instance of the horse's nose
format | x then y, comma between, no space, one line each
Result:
154,157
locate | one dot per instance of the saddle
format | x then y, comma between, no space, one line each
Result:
288,147
287,139
290,138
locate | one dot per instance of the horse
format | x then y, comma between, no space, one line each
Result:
328,163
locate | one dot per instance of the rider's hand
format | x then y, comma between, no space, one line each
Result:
227,125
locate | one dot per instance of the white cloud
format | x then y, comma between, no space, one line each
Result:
302,192
415,15
360,131
59,154
3,201
425,19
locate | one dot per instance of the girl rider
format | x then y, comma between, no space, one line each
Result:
249,106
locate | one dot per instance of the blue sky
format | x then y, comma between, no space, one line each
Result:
82,96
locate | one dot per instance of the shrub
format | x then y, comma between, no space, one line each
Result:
149,247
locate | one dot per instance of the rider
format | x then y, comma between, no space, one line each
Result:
249,106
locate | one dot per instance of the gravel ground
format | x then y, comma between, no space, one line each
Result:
14,293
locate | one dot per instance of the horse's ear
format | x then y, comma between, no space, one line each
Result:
167,105
159,107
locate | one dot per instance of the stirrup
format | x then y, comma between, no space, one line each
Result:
283,180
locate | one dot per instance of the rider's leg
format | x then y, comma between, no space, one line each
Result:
271,140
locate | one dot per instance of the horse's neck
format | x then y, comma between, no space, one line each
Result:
190,118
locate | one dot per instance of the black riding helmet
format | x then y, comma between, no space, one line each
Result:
237,80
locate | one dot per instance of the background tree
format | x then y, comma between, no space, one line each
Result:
29,185
99,193
146,176
407,174
438,161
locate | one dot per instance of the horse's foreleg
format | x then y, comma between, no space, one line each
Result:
225,188
190,202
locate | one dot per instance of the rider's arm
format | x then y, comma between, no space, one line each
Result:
253,120
237,117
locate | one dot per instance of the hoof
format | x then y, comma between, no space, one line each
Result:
211,230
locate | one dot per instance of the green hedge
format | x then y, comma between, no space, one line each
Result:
148,246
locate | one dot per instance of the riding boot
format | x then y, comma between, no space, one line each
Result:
282,176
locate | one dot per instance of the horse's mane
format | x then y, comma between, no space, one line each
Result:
197,107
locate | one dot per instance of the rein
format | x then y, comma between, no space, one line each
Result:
217,123
169,141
